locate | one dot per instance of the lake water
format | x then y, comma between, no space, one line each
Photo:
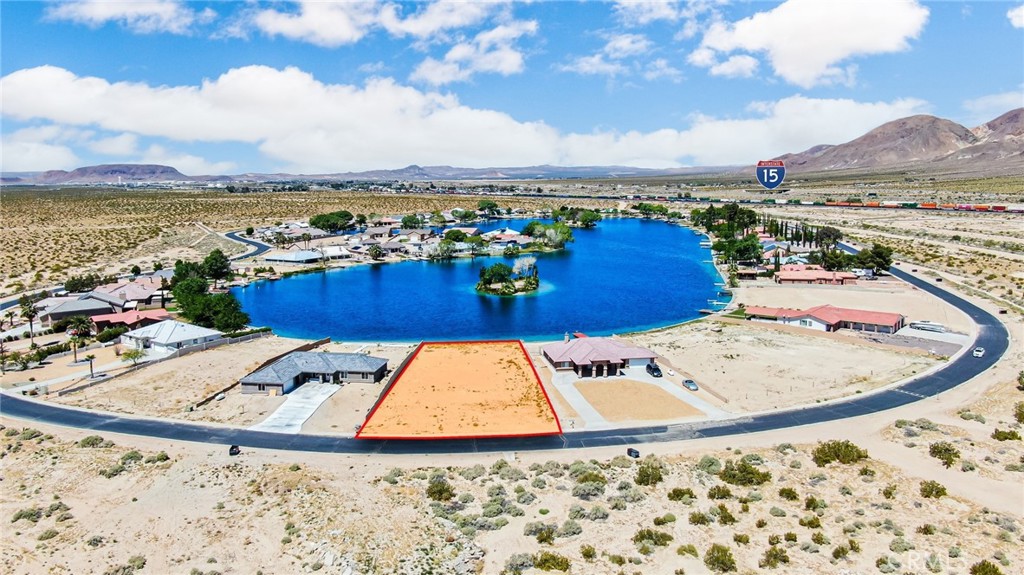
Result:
625,275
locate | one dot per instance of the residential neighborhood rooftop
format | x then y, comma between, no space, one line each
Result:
288,367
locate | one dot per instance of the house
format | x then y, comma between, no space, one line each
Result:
596,356
815,277
144,290
294,369
296,257
393,247
130,319
169,335
378,233
59,308
415,236
467,231
829,318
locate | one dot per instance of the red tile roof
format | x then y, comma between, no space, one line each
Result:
829,314
586,350
132,317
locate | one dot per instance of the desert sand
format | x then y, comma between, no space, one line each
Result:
631,400
756,367
464,390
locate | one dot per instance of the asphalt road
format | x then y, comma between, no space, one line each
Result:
991,335
258,247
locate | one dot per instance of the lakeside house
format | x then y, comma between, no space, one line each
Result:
596,356
296,368
169,335
130,319
829,318
296,257
812,276
53,309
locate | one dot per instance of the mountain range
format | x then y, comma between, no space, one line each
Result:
917,143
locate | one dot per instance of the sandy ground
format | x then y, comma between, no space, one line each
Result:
464,390
61,372
790,366
167,388
891,296
646,402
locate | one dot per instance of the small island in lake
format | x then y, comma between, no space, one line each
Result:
503,279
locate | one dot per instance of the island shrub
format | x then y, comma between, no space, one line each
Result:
719,558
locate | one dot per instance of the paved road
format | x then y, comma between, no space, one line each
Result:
258,247
992,335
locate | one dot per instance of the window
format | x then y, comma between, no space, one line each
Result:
261,387
805,323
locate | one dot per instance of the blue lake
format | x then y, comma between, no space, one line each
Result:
625,275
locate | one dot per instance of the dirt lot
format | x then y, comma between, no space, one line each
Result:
166,389
464,390
646,402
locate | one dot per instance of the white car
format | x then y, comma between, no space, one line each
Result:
978,352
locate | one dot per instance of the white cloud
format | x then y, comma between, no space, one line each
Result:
804,40
373,67
490,51
143,17
303,125
738,66
991,106
625,45
122,145
185,163
643,12
436,17
39,148
660,68
1016,16
606,62
594,65
326,24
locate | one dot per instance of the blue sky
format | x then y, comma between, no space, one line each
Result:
322,87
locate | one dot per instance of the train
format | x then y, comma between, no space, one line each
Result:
1010,209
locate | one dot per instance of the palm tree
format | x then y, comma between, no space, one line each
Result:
29,312
306,238
75,341
10,317
90,359
81,325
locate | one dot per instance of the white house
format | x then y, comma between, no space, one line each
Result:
168,336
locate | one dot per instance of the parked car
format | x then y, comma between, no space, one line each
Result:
978,352
234,450
653,369
690,384
633,453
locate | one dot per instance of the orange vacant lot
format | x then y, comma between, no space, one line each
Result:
464,390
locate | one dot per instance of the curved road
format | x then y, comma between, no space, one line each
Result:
259,247
992,335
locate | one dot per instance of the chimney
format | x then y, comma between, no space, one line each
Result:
566,337
123,296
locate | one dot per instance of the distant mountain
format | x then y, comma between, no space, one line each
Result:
924,143
140,173
116,173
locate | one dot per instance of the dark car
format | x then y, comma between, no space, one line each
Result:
234,450
633,453
653,369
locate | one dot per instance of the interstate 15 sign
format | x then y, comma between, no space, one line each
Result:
770,173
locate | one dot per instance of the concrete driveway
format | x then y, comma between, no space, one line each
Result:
297,408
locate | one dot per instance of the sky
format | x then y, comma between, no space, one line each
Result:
324,87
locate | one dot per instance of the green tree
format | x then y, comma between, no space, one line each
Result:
133,355
216,266
80,325
249,231
91,358
878,258
375,252
189,294
828,237
184,270
488,206
495,274
157,266
476,244
360,220
445,250
29,312
226,312
136,270
464,215
437,220
719,558
455,235
411,222
75,342
589,218
333,221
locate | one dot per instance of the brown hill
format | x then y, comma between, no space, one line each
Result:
113,173
924,142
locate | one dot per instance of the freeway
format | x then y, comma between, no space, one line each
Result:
258,247
992,335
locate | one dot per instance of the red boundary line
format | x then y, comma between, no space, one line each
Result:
398,376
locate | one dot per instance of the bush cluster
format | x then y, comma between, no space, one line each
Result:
842,451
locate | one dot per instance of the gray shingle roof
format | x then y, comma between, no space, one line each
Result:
293,364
